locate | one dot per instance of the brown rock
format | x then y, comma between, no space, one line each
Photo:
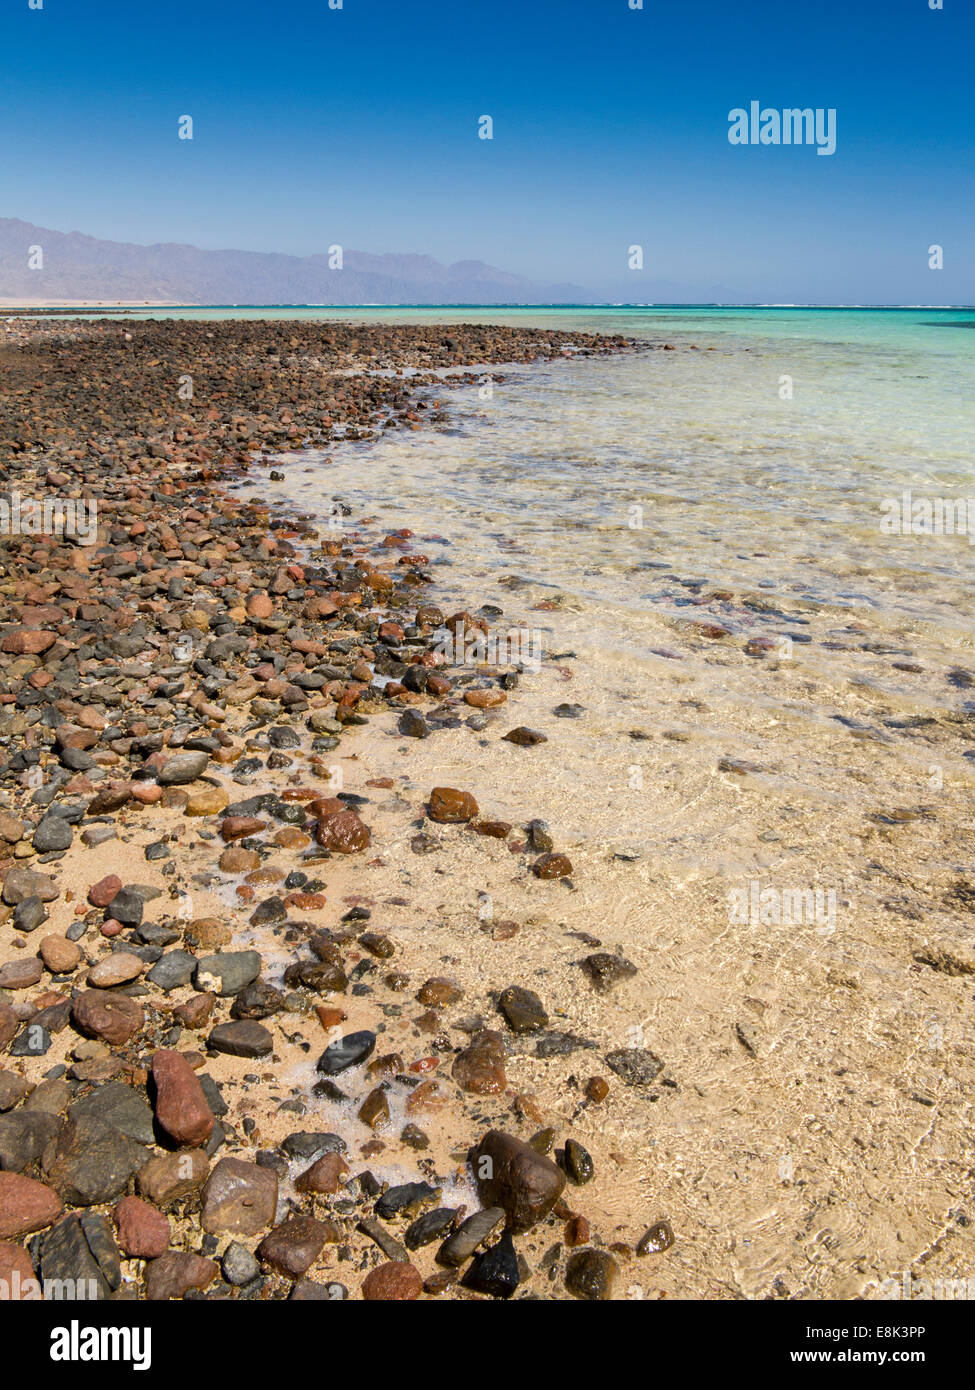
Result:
324,1176
395,1281
240,1198
239,827
21,974
196,1011
25,1206
511,1175
60,955
114,1018
143,1232
552,866
484,699
451,807
237,861
480,1067
294,1246
438,992
168,1178
374,1110
181,1106
175,1273
28,642
342,832
119,968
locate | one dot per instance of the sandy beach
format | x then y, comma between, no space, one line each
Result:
501,976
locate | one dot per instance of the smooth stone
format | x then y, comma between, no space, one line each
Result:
347,1052
241,1039
591,1274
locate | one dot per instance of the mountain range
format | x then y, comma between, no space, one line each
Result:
73,267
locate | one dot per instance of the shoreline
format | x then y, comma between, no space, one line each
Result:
145,754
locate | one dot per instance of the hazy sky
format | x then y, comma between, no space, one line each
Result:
359,126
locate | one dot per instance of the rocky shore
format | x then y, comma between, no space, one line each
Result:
193,972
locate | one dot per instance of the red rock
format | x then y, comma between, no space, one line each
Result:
100,894
28,642
16,1271
26,1206
395,1281
143,1232
259,606
181,1105
343,833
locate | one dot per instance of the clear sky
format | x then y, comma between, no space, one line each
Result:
359,126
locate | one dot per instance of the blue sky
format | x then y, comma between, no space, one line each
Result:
359,126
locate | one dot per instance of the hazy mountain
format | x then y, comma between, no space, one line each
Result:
83,267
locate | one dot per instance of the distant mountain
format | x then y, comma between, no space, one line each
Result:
83,267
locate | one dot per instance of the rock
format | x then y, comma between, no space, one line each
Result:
438,992
114,1018
176,1272
181,1106
80,1255
238,1265
195,1012
25,1206
479,1068
659,1238
451,807
60,955
374,1110
257,1000
597,1089
119,968
494,1271
169,1178
13,1089
174,970
484,699
21,883
91,1161
460,1246
241,1039
512,1175
608,969
552,866
52,834
17,1277
430,1226
636,1066
29,915
21,974
591,1274
324,1176
524,737
24,1136
182,768
120,1106
240,1198
342,832
295,1245
395,1281
413,725
227,972
523,1010
143,1232
406,1199
9,1025
127,907
577,1163
100,894
347,1052
209,801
